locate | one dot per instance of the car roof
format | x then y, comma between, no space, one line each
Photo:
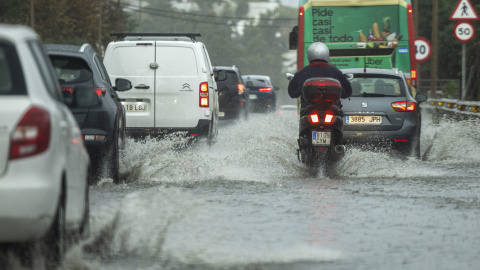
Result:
225,68
16,32
393,72
68,49
256,76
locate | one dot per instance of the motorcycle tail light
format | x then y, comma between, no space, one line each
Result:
329,118
314,118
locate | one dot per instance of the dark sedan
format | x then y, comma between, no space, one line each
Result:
96,107
382,111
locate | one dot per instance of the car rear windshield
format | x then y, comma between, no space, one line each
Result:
12,81
257,82
377,85
71,69
232,78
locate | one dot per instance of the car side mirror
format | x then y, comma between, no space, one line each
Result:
85,96
122,85
220,75
289,76
419,97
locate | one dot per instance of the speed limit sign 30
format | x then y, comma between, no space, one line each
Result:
464,31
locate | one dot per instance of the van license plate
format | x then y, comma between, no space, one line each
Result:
321,138
135,106
364,119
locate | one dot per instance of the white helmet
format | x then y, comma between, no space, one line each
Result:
318,51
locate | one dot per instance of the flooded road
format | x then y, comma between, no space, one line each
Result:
247,203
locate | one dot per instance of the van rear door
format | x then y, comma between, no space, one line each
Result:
178,81
135,61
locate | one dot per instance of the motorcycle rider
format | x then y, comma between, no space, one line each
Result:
318,56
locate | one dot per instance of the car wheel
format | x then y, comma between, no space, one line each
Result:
211,132
54,240
84,229
113,159
121,136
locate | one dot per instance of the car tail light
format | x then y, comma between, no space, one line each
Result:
32,134
204,102
268,89
329,118
404,106
241,89
70,90
100,91
314,118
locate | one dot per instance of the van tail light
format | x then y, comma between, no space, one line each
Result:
241,89
204,101
404,106
268,89
100,91
314,118
32,134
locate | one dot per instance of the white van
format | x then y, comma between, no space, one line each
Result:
173,82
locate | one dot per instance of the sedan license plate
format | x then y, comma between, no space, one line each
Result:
221,114
364,119
135,106
321,138
252,96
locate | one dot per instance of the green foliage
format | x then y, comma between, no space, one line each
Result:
451,89
67,22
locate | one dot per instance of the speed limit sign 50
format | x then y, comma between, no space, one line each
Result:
464,31
422,49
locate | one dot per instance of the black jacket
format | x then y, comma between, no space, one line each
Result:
318,69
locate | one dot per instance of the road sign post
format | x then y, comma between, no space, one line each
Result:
463,30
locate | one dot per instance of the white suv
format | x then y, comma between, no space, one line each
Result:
43,162
174,87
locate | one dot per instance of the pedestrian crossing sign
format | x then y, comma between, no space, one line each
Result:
464,11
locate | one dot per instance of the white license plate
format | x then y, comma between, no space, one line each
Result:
135,106
221,114
363,119
252,96
321,138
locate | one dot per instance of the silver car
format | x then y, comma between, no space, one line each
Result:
43,162
382,111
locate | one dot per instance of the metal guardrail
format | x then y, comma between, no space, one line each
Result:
457,109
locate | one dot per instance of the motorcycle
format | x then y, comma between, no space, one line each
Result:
321,125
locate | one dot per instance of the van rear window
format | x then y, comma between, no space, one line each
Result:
135,61
176,61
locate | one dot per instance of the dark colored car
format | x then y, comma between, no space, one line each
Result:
96,107
232,97
382,110
261,93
